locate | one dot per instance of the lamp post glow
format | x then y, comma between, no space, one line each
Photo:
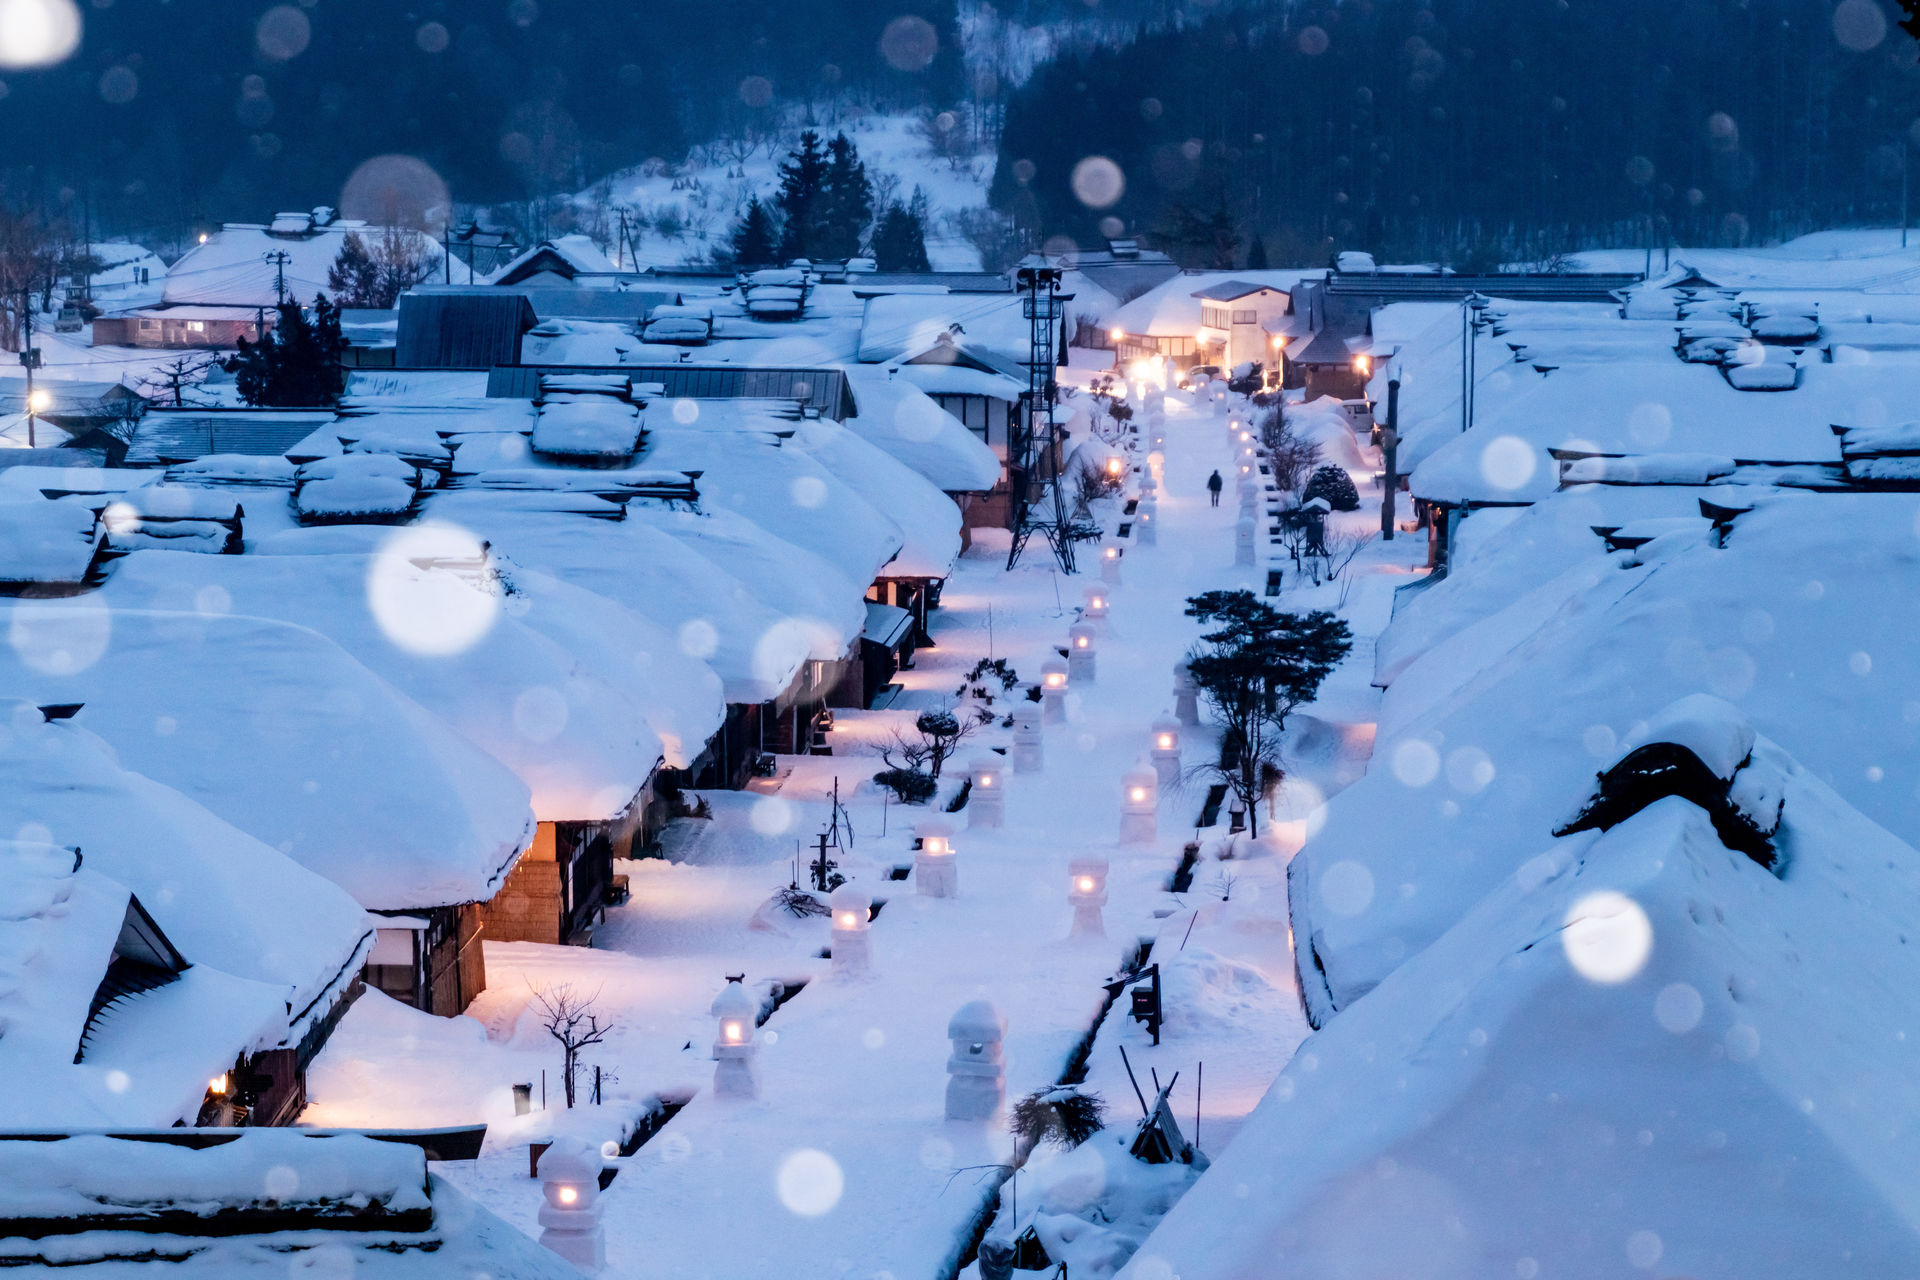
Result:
1110,564
977,1067
1087,893
987,798
1139,805
570,1218
1029,746
935,873
734,1075
1166,751
852,944
1080,654
1053,691
1186,695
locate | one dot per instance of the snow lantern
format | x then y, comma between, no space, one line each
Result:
1080,654
935,873
1243,542
852,946
987,797
1110,564
977,1067
1099,600
1186,695
1116,466
1150,482
1029,747
1146,523
1087,893
1139,805
1053,691
1166,750
570,1218
734,1049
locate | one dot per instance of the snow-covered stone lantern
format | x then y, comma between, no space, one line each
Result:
987,797
1099,600
1080,654
735,1012
1110,564
570,1218
1087,892
1139,805
977,1067
1243,544
1029,746
1166,750
1146,523
1186,695
1053,691
935,870
1149,481
852,945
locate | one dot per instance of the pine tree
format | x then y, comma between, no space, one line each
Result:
846,206
1335,485
900,236
1257,255
354,276
803,176
755,242
297,365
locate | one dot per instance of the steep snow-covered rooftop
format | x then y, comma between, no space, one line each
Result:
894,413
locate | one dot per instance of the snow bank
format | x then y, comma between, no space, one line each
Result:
1640,1051
896,415
277,730
1490,738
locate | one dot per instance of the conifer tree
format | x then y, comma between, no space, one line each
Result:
755,241
803,176
847,204
900,236
297,365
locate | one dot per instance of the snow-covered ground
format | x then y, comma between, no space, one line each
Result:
844,1164
701,199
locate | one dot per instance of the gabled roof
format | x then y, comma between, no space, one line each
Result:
468,329
166,436
1229,290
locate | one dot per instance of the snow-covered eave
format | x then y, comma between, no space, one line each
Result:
299,1021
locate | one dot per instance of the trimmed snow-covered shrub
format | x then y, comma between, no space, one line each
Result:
1336,486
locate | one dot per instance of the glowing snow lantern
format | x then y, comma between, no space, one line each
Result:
734,1050
1087,893
1098,602
986,798
935,873
852,944
1110,564
1139,805
1116,467
1146,523
977,1067
570,1218
1080,654
1166,750
1053,691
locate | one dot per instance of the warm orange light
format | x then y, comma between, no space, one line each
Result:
847,920
1084,884
1113,466
1363,365
203,237
219,1085
986,779
1055,680
1080,642
1277,344
1166,742
1118,334
937,845
1138,794
732,1032
569,1194
40,401
1111,553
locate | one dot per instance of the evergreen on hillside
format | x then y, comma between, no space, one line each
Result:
846,202
297,364
900,236
755,241
803,180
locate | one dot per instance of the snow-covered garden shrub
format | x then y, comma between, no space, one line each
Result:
909,786
1336,486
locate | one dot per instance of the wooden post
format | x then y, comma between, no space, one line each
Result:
1390,447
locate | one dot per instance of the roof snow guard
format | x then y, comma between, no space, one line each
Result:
1701,750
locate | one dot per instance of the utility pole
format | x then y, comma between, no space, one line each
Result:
279,258
29,356
1390,450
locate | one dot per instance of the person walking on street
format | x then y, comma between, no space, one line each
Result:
1214,485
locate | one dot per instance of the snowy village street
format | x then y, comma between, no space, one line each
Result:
845,1165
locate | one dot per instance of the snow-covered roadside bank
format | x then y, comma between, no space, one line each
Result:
845,1164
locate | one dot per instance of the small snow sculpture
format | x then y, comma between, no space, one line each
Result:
986,797
1087,892
1029,746
935,870
734,1049
852,945
977,1068
1080,654
570,1218
1139,805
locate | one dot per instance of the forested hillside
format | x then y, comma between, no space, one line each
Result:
1471,129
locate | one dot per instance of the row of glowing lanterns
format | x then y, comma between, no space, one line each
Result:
1362,364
